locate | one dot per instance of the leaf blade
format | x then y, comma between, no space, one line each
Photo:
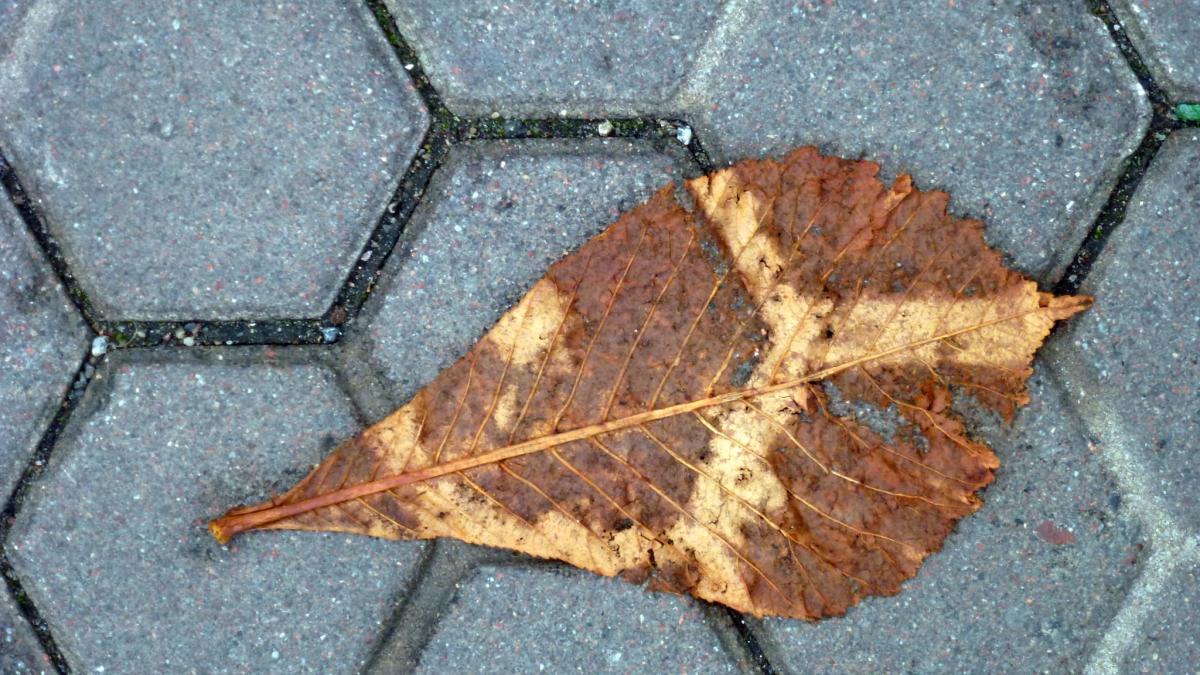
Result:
631,405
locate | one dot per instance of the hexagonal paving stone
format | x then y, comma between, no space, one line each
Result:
539,59
1168,637
1027,584
112,544
20,653
1022,111
1166,35
42,340
554,619
215,163
1140,343
494,219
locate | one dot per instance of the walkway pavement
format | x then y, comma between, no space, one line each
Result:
232,235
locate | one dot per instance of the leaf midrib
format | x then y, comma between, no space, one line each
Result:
242,520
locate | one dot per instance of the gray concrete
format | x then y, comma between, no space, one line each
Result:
20,653
1168,641
1141,342
229,161
11,12
495,217
1022,111
1166,35
527,58
42,342
215,163
1027,584
449,562
556,619
113,548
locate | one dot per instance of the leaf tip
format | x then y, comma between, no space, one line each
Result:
1064,306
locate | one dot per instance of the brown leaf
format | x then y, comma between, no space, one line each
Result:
748,400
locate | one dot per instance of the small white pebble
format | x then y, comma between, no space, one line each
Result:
99,345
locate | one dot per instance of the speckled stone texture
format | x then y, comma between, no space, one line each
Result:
1027,584
11,12
1022,111
113,548
496,216
1166,34
1141,341
1168,641
42,342
19,650
556,619
541,59
208,163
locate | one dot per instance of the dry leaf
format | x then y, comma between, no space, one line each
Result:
748,400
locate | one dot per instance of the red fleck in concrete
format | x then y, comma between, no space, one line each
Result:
1054,534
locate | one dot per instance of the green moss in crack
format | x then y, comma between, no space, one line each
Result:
1188,112
385,23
